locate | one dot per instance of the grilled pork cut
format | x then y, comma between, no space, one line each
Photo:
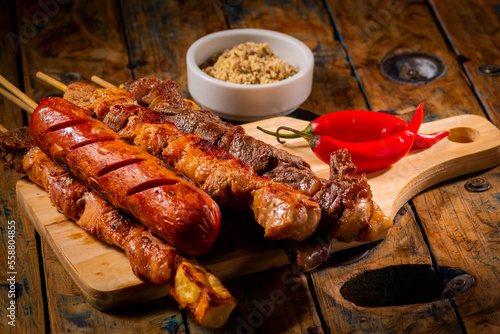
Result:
149,257
282,211
347,210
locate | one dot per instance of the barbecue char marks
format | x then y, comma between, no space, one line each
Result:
149,257
276,164
342,200
127,176
283,212
164,96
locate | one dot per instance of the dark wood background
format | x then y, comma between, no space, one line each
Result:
442,232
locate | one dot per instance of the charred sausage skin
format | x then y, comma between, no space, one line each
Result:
132,180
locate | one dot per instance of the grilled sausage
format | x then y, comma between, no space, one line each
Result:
132,180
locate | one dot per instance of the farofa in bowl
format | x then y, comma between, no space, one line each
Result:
250,64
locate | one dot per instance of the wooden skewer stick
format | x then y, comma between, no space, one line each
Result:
3,129
102,82
15,100
51,81
18,93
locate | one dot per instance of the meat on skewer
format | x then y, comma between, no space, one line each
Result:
338,203
149,256
132,180
283,212
348,213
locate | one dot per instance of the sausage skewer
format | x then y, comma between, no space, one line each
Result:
283,212
347,209
149,257
132,180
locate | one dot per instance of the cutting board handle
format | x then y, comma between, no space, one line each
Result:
473,145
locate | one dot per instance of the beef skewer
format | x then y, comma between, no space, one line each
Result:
283,212
149,257
348,212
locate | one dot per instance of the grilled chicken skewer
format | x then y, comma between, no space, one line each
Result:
149,257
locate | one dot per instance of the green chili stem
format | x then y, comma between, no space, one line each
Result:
286,135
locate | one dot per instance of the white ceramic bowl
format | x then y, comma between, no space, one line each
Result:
245,103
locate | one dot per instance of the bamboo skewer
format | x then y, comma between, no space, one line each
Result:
16,100
51,81
18,93
3,129
102,82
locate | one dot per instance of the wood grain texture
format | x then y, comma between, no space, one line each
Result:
70,312
29,307
334,86
467,226
405,247
81,37
159,34
373,30
273,301
473,30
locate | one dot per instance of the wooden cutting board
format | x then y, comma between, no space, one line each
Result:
103,272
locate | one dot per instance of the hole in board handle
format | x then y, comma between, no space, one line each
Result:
463,135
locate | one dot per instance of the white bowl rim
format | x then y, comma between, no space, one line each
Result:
242,31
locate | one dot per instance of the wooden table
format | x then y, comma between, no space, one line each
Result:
395,286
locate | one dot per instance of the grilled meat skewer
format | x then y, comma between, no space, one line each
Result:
164,97
284,213
280,166
348,213
129,178
149,257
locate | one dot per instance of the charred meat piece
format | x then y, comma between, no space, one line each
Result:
132,180
14,145
149,256
284,213
266,160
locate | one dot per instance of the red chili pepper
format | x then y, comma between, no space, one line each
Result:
370,150
359,126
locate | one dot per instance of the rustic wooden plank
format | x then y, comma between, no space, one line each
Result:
472,244
334,87
473,30
273,301
28,310
405,247
71,40
70,312
159,34
375,29
372,30
89,41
